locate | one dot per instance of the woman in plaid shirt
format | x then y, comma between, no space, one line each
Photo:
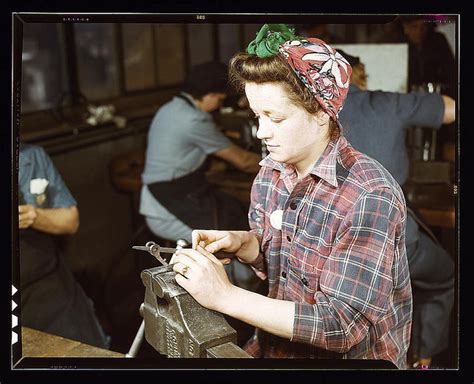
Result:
327,222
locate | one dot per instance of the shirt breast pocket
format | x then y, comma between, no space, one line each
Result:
303,280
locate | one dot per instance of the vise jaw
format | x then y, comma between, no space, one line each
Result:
176,325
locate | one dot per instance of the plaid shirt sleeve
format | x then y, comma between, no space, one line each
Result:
357,279
256,218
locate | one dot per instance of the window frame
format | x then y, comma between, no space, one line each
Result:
39,124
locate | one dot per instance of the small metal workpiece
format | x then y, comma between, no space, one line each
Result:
155,250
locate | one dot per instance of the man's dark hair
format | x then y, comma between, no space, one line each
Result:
206,78
353,60
405,19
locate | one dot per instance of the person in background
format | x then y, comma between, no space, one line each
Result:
376,123
327,222
430,58
52,300
182,140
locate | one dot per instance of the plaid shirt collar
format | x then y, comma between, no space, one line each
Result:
325,166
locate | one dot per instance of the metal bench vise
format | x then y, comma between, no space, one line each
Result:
176,325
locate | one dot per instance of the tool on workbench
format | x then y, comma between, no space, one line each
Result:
174,323
156,250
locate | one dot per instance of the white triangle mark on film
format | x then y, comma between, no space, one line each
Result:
14,337
14,305
14,290
14,321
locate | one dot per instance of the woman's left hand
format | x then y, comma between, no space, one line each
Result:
203,276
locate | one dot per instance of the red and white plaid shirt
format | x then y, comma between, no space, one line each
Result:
339,255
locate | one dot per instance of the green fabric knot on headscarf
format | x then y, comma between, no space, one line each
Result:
269,39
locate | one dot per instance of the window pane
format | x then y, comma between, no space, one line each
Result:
96,60
229,41
138,56
200,43
42,66
170,53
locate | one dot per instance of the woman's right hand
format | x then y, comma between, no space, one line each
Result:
241,243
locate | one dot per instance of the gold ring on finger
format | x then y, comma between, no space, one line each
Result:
185,270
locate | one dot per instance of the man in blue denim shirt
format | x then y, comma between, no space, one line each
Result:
52,300
375,123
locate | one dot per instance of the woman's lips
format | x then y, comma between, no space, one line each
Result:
272,148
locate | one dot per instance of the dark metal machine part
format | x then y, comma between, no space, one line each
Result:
176,325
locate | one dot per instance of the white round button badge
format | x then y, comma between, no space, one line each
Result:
276,218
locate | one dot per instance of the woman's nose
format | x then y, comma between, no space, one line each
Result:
264,130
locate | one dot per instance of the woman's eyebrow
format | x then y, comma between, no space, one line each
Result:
276,113
269,112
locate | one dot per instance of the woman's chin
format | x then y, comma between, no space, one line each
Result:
277,157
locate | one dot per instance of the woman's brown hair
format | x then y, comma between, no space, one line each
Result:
245,68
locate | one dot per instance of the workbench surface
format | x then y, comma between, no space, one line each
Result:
40,344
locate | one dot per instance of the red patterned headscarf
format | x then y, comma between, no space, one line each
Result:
324,71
